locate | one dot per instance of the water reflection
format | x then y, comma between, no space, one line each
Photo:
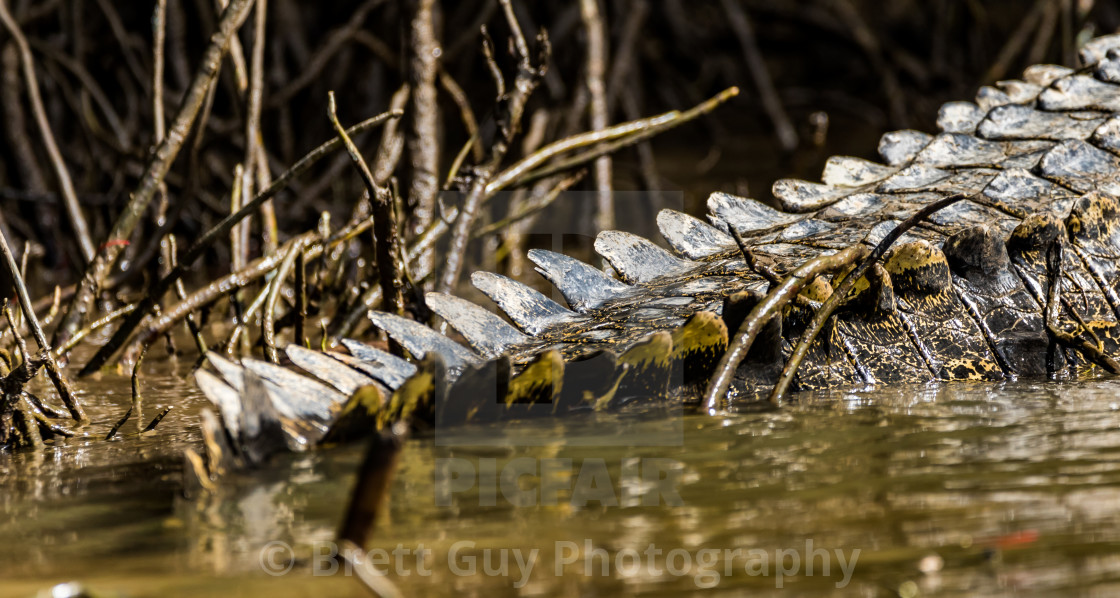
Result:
962,489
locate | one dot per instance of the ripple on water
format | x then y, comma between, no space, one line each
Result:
1026,471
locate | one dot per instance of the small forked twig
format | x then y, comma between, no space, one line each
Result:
55,373
388,251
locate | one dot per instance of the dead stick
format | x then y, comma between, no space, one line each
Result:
635,131
236,55
210,293
301,299
422,135
470,123
160,162
596,88
181,293
206,240
254,144
65,184
159,34
556,148
314,66
841,293
767,309
105,320
59,380
529,210
269,324
509,122
756,65
387,250
221,288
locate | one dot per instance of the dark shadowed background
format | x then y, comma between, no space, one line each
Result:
818,77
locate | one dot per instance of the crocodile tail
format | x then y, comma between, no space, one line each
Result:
962,296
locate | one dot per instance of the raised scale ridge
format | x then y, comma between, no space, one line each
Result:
978,291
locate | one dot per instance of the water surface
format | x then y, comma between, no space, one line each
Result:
955,490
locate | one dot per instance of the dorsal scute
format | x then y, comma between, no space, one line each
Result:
583,286
1096,49
900,147
690,236
744,215
486,332
529,309
635,258
419,340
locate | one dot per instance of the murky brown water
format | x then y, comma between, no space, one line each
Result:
991,489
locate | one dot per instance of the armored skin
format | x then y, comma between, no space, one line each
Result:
979,291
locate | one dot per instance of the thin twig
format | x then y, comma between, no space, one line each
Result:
391,145
113,119
509,122
243,319
470,123
301,298
221,287
512,248
105,320
15,125
767,309
268,326
556,148
120,423
594,77
55,373
181,293
236,56
160,162
621,135
21,343
137,398
529,210
207,239
387,247
116,25
212,292
159,35
313,68
840,294
254,144
239,236
62,174
756,65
